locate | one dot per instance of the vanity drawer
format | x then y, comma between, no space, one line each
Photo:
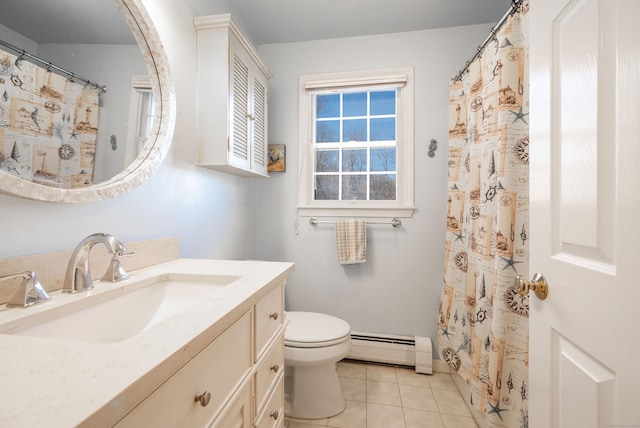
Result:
271,368
269,317
216,370
273,414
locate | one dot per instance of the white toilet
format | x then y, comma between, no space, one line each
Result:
313,344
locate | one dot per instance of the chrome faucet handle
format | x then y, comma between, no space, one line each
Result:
29,292
115,272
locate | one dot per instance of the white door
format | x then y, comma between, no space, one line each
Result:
585,213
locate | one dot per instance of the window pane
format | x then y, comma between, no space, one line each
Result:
354,130
383,102
383,159
354,160
354,104
383,129
354,187
326,187
328,105
327,131
327,160
383,187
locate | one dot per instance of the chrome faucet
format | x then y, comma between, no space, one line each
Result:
29,291
78,277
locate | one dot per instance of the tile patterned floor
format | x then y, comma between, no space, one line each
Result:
380,396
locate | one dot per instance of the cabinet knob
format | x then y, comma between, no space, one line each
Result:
250,116
275,368
275,415
203,398
274,316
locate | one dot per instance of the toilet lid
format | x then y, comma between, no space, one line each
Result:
311,329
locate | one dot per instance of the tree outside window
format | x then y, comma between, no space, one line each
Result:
355,145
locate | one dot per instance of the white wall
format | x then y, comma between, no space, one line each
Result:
212,213
397,291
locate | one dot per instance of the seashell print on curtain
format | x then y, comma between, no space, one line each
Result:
483,321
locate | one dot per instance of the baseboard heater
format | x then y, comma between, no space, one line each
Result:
414,351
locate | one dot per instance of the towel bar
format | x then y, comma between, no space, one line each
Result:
395,222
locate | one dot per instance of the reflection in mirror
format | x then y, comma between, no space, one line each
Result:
140,123
78,143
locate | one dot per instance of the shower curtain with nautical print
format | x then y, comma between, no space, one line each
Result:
483,320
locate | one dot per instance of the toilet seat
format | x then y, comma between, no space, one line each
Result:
315,330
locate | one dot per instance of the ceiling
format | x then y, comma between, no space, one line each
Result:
278,21
66,21
267,21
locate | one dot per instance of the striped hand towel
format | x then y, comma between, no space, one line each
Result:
351,241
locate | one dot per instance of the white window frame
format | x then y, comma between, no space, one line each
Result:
403,206
135,143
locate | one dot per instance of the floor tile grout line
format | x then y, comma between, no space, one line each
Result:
402,405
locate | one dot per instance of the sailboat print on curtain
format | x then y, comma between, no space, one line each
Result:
483,320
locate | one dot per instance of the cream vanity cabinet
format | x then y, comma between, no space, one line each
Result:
237,380
231,99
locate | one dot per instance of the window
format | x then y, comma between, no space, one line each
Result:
141,117
356,153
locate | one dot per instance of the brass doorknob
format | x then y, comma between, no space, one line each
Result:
538,284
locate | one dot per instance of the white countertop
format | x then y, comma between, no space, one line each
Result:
61,383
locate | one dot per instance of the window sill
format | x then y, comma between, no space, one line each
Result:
384,212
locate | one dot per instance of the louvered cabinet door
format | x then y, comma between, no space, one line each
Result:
239,140
259,124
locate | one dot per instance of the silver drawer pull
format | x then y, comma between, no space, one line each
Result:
275,368
275,415
274,316
203,398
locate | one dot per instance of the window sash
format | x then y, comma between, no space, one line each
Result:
344,145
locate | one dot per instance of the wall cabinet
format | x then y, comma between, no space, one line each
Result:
231,100
235,381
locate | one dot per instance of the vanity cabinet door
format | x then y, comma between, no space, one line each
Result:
194,395
269,318
238,413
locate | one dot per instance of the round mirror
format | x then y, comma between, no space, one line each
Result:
63,138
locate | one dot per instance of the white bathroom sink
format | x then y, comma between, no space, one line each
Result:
123,312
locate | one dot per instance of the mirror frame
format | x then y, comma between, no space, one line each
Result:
145,33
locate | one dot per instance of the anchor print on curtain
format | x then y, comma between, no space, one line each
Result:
483,320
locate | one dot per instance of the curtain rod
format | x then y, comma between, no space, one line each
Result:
515,5
71,76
